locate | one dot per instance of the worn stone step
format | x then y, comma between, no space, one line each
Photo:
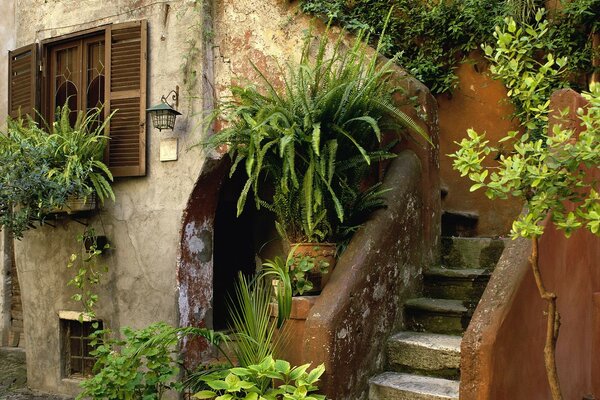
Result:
459,223
471,252
437,315
424,353
399,386
459,284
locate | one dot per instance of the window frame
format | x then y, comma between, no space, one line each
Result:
66,322
125,89
48,66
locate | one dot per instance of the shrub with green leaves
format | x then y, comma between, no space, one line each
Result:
530,73
551,167
541,166
432,38
145,364
315,139
41,168
287,382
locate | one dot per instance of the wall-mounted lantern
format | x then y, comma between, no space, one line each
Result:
163,114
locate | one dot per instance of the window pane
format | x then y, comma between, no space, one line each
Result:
66,80
95,75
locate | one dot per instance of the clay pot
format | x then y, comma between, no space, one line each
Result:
321,253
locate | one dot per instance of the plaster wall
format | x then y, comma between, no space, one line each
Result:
503,346
144,223
479,102
7,42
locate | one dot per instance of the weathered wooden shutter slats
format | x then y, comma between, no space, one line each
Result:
22,79
126,82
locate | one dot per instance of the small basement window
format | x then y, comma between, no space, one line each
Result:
76,349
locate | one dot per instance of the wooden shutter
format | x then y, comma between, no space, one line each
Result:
22,81
126,49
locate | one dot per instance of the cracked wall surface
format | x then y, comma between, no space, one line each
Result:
143,224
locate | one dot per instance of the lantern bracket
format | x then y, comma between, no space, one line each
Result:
173,96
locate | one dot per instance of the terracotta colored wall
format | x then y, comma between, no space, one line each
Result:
502,354
480,103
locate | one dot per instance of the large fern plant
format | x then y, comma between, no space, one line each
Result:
315,137
42,168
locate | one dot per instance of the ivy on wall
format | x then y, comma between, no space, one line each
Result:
432,37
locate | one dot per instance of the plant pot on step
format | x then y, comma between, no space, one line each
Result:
323,256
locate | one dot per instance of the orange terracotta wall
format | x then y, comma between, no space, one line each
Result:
480,103
569,267
502,354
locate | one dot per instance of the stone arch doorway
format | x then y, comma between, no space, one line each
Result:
214,246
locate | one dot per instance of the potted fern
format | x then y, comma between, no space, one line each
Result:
76,162
58,169
314,141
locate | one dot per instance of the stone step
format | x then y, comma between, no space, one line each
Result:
459,223
399,386
459,284
437,315
429,354
475,252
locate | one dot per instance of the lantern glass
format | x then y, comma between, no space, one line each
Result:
163,116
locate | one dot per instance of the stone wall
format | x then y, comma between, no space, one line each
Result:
143,224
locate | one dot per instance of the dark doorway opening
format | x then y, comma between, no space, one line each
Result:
239,244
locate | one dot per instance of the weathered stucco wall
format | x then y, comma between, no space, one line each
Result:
502,351
380,269
143,224
479,102
7,42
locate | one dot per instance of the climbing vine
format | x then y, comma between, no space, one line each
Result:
432,37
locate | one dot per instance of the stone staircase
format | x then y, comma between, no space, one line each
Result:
424,360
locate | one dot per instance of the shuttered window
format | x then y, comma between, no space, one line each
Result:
22,81
105,66
126,80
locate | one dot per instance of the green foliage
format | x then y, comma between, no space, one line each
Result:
529,77
294,383
253,330
88,274
543,167
142,365
291,275
316,138
431,38
41,169
78,152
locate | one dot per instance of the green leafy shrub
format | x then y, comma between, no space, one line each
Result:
40,170
144,364
548,168
432,38
316,138
294,383
530,73
543,167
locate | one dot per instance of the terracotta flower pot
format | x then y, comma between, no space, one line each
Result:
323,254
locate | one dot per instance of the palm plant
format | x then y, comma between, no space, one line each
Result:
251,321
315,138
